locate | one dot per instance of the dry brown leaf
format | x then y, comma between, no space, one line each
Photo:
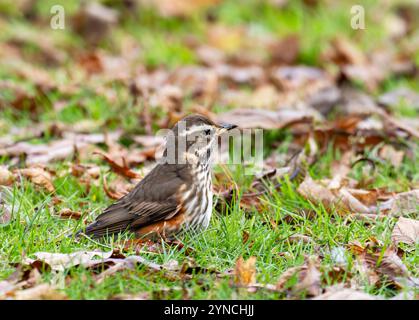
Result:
5,210
393,98
69,214
117,190
287,275
5,214
251,203
111,261
341,198
6,177
346,52
149,141
245,271
299,238
134,296
225,38
365,273
352,203
252,74
39,177
390,154
40,292
307,80
392,122
309,279
265,119
123,170
354,63
127,263
26,286
339,293
57,149
405,231
402,204
178,8
94,21
62,261
367,197
285,51
375,265
315,192
92,171
390,265
7,288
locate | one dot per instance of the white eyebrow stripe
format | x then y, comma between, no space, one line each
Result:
195,129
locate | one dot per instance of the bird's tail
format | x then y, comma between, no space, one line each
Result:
115,219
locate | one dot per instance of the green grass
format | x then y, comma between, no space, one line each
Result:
34,229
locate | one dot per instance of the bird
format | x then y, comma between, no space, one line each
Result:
176,195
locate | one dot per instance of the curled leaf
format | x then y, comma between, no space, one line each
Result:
245,271
39,177
123,170
406,231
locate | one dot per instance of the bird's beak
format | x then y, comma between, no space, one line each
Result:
224,127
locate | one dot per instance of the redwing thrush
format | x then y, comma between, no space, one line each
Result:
176,195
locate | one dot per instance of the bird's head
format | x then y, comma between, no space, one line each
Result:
195,137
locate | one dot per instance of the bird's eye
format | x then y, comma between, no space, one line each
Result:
207,132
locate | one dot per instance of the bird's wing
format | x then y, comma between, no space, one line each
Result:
154,199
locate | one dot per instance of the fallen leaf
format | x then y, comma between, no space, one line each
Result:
401,204
400,95
127,263
149,141
5,212
94,21
118,190
40,292
390,265
62,261
245,271
405,231
96,261
178,8
264,119
285,51
79,170
390,154
339,293
365,273
228,39
287,275
339,198
6,177
347,52
38,176
376,265
355,64
123,170
69,214
132,296
240,74
6,288
299,238
309,279
57,149
305,79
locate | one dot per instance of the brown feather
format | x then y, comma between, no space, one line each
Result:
155,198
